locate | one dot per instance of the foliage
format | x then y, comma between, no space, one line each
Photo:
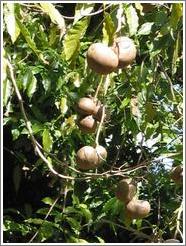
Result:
142,132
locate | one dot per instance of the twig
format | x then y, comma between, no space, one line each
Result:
49,211
140,234
98,87
168,78
178,221
100,125
91,14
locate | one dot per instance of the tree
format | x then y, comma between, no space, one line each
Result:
47,198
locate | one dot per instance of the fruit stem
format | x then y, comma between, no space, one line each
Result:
99,128
98,88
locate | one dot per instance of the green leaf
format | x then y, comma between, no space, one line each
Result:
63,105
176,54
145,29
47,140
29,40
55,16
86,212
109,205
32,86
176,14
10,20
34,221
7,91
108,29
125,102
82,9
73,37
132,19
74,223
48,200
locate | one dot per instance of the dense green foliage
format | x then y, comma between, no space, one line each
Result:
142,131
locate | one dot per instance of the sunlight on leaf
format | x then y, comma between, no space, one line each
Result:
10,20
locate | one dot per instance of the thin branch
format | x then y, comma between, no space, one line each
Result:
98,87
100,126
49,211
84,15
168,78
178,221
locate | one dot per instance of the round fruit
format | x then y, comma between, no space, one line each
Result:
126,51
87,158
87,124
137,209
98,112
172,240
177,174
86,106
101,154
101,58
125,191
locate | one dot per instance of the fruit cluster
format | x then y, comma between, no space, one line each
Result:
134,209
90,112
104,60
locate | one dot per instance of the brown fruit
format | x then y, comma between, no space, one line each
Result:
147,7
101,58
87,124
87,158
98,112
125,191
177,174
86,106
137,209
126,51
101,154
172,240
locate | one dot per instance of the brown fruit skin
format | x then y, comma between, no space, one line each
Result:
87,124
137,209
97,114
171,240
86,158
147,7
86,106
177,174
125,191
101,58
126,51
101,154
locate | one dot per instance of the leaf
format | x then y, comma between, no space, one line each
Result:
29,40
176,14
176,54
32,86
86,212
55,16
109,205
10,20
145,29
47,140
124,103
82,9
132,19
108,29
48,200
34,221
7,90
63,105
72,39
